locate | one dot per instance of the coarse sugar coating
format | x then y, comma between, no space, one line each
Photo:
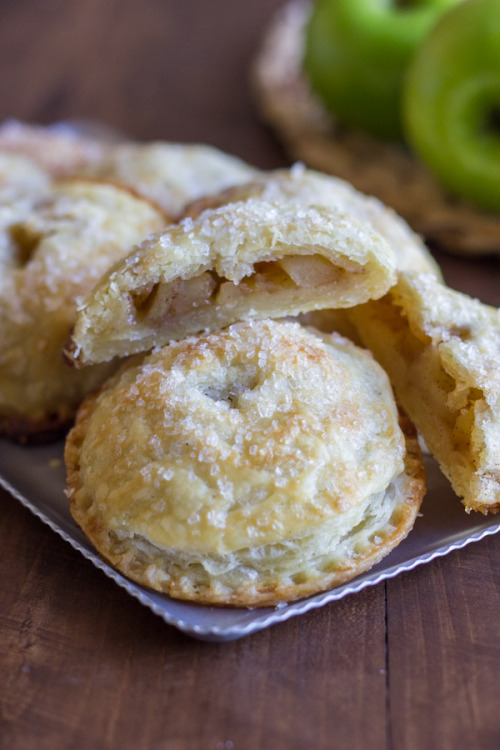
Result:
256,464
241,260
307,187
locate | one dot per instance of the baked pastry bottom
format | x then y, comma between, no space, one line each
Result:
256,465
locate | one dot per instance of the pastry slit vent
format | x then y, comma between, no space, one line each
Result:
156,300
246,381
23,244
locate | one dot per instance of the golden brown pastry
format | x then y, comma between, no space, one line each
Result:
250,466
441,350
247,259
54,245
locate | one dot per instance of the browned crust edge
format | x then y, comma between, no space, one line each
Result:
403,516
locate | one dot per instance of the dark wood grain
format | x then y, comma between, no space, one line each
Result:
169,70
411,664
85,664
444,652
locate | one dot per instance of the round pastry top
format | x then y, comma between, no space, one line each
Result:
238,438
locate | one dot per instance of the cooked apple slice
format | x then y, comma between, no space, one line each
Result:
243,260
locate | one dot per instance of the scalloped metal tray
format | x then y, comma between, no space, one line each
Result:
36,477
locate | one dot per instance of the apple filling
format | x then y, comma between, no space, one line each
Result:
417,366
154,302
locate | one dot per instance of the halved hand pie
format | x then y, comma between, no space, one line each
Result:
248,259
441,350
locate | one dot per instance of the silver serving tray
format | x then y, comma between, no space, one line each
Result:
36,477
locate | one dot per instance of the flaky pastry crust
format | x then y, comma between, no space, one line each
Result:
306,187
441,350
254,465
387,171
246,259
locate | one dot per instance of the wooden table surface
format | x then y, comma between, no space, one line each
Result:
410,663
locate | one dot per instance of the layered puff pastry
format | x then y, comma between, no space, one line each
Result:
242,260
257,464
441,350
54,245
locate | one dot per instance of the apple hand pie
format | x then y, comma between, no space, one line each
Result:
169,174
258,464
243,260
441,350
54,245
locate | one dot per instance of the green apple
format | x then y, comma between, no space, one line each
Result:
357,53
451,105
